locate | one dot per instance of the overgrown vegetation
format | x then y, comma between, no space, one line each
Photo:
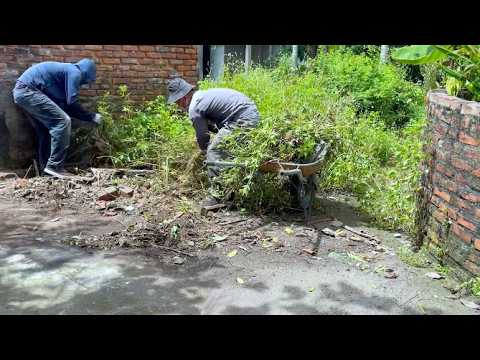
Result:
376,145
373,87
153,135
368,112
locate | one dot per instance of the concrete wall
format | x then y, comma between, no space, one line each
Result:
451,180
143,68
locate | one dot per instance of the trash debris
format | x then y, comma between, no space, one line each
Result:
109,194
232,253
218,238
266,244
340,233
6,176
311,290
56,219
101,205
309,251
288,230
243,248
434,276
470,304
361,233
390,274
240,280
356,238
177,260
129,209
125,191
328,231
397,235
20,183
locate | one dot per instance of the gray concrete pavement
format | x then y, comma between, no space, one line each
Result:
38,275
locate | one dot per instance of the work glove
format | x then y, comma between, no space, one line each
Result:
97,119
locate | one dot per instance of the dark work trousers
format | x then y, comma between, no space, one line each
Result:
52,126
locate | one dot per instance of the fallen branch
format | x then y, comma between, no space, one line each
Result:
409,300
233,222
28,171
317,221
370,237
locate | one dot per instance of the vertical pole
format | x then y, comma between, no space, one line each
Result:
294,56
200,62
384,54
217,55
248,57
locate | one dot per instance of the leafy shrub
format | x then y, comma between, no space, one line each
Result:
154,134
374,87
378,164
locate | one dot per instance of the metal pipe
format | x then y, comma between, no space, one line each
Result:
217,53
248,57
384,54
294,56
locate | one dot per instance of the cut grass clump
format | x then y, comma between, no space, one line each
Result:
151,135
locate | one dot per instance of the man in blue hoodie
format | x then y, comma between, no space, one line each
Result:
48,92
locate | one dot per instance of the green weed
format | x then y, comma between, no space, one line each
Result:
416,259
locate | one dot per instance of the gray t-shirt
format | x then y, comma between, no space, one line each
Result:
219,107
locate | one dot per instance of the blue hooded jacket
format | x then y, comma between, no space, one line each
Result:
61,83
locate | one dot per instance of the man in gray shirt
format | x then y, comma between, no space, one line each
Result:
217,109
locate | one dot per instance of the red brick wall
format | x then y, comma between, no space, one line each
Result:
452,178
143,68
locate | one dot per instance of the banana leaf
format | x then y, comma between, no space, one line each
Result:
418,54
455,74
453,54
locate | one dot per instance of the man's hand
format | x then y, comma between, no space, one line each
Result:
97,119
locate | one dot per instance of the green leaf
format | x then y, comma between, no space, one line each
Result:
452,53
232,253
289,230
455,74
418,54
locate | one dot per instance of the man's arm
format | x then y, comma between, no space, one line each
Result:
201,129
72,89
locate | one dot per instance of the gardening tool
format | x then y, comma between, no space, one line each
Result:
300,174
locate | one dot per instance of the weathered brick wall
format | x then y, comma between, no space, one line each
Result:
143,68
452,180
